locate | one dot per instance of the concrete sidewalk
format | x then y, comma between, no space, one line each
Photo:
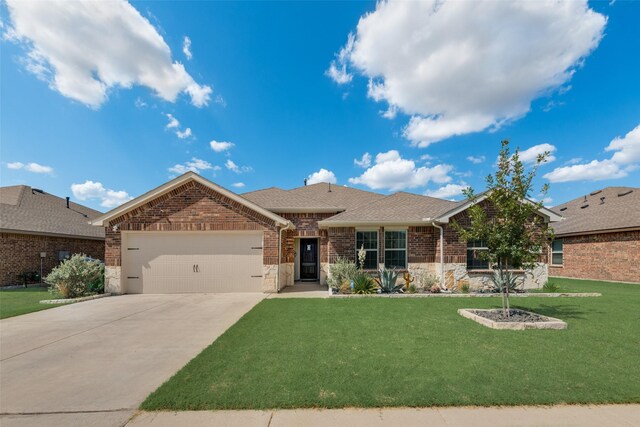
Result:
566,415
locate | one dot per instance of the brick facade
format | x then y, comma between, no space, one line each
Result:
342,243
21,253
191,207
603,256
306,225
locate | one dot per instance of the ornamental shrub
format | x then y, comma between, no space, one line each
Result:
76,277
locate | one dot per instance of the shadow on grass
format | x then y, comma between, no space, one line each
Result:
562,312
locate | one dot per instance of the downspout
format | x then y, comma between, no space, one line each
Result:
441,254
288,227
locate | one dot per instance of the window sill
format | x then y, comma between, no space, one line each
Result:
556,265
489,271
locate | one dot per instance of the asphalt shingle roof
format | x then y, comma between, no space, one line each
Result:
276,199
25,209
399,207
345,198
607,209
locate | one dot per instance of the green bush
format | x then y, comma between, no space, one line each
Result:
465,288
550,287
342,270
76,277
363,284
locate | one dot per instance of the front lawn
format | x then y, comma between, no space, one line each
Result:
371,352
15,302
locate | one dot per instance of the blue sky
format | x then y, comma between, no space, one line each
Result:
88,95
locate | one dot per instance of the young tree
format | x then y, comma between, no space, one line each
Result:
515,233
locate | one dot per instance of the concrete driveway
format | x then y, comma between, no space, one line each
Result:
93,363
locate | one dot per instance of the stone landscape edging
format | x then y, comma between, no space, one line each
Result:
69,300
547,323
487,295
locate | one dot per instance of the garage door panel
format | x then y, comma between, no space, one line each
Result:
202,262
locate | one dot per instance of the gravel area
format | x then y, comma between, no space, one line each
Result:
515,315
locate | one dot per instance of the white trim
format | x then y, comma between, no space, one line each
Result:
406,245
551,263
46,234
549,215
176,182
377,249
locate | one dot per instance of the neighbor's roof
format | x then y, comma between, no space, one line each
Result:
279,200
342,197
28,210
398,208
612,208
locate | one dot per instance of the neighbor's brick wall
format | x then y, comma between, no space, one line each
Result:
20,253
306,226
191,207
605,256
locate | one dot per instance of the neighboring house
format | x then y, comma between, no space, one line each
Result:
600,237
35,224
191,235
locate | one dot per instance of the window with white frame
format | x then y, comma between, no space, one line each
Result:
368,240
395,249
474,247
557,252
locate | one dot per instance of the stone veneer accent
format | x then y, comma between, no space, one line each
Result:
602,256
192,207
456,275
21,253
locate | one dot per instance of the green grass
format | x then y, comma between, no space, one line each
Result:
15,302
291,353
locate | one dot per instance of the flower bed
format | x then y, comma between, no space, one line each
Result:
517,320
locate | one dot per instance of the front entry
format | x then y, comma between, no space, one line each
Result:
308,259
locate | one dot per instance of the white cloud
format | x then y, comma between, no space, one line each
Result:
139,103
173,122
84,49
30,167
238,184
476,160
451,67
184,134
574,161
220,146
390,113
626,158
233,167
448,191
364,161
338,68
195,165
323,175
393,172
530,155
174,125
91,190
186,47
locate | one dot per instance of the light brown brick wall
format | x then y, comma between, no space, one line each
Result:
20,253
605,256
191,207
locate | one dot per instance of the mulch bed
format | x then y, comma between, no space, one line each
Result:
515,315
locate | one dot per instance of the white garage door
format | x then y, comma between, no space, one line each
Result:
164,263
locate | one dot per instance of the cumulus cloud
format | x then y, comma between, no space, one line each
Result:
625,158
183,134
174,125
84,49
233,167
195,165
91,190
455,71
238,184
220,146
530,155
448,191
30,167
476,160
364,161
173,122
323,175
186,47
394,173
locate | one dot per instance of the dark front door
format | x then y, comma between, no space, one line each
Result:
308,259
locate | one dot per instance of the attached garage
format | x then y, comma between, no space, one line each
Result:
191,235
170,262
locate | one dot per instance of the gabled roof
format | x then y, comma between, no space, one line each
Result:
342,197
278,200
399,208
176,182
444,217
28,210
608,209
